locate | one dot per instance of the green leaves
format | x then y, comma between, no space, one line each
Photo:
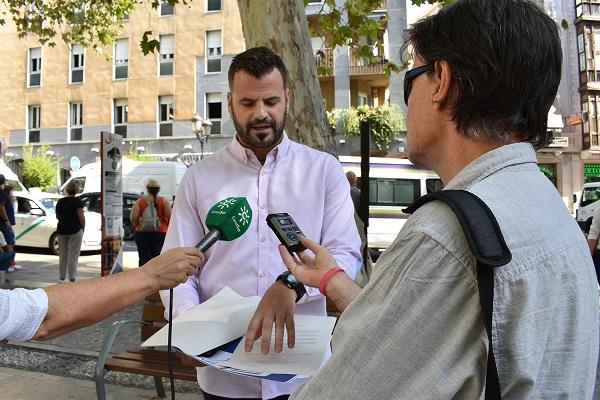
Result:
386,122
149,46
39,169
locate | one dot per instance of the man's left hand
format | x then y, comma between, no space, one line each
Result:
277,306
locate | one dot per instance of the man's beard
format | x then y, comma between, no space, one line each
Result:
246,138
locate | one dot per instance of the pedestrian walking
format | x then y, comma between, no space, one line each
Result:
7,256
71,224
150,215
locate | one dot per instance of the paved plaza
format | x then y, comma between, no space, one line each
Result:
63,368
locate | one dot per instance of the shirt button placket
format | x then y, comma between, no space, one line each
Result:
263,250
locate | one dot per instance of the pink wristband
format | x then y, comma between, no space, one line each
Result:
327,277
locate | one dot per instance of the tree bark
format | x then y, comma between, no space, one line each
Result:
281,25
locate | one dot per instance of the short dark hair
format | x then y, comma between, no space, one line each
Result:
258,62
506,60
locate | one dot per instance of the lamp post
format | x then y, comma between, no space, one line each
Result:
51,153
201,127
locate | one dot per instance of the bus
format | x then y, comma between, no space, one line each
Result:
394,183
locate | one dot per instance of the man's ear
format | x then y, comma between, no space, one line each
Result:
229,102
443,78
287,99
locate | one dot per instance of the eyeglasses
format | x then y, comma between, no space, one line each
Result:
412,74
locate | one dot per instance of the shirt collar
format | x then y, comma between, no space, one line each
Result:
491,162
242,153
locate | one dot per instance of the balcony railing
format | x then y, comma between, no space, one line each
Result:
324,60
360,66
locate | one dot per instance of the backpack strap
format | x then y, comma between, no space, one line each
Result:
490,250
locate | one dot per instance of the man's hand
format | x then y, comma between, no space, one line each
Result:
7,224
277,306
173,267
304,267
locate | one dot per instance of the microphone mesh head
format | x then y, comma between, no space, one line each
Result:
232,216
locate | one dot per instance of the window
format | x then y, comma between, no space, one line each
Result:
76,121
34,69
76,63
166,55
213,5
121,57
393,192
166,8
165,116
33,124
433,185
214,111
581,51
363,100
213,51
120,117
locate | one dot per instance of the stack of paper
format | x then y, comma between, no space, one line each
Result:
220,324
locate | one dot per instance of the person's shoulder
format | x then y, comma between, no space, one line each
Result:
437,221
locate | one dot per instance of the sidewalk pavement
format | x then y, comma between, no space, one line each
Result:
27,385
63,368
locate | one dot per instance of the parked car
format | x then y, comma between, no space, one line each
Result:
36,222
92,202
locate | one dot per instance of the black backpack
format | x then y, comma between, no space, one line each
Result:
489,248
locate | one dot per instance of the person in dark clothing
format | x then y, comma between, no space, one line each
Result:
354,191
7,215
71,224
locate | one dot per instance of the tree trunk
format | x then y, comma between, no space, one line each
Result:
281,25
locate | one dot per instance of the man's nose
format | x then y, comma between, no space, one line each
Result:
260,112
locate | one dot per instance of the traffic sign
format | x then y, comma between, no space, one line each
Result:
75,163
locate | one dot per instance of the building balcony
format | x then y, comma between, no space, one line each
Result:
360,66
357,65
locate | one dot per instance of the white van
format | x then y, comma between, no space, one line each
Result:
394,183
586,203
135,176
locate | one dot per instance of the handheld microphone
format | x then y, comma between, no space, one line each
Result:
227,220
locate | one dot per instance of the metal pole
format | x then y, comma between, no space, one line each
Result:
365,133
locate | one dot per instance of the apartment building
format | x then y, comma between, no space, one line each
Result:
65,95
588,55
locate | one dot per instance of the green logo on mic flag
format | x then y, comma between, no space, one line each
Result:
231,216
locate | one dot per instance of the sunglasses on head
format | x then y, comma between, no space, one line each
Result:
412,74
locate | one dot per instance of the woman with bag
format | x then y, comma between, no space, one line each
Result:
71,224
150,215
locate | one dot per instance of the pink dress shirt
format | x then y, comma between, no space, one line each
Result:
309,185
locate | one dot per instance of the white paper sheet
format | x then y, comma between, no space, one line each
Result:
221,319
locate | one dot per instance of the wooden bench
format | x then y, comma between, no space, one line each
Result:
142,361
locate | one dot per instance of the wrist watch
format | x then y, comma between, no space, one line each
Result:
290,281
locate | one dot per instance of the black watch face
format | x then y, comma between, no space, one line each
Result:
292,280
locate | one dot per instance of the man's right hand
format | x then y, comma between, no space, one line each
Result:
173,266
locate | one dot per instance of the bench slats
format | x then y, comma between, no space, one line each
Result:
153,313
145,368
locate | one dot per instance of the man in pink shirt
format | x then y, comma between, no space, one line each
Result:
276,175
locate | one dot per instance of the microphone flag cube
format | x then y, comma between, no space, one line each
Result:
231,216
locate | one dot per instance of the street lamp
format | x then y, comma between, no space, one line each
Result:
51,153
201,127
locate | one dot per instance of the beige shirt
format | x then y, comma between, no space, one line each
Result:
416,332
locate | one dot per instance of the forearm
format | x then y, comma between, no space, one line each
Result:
75,305
592,243
342,290
3,214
